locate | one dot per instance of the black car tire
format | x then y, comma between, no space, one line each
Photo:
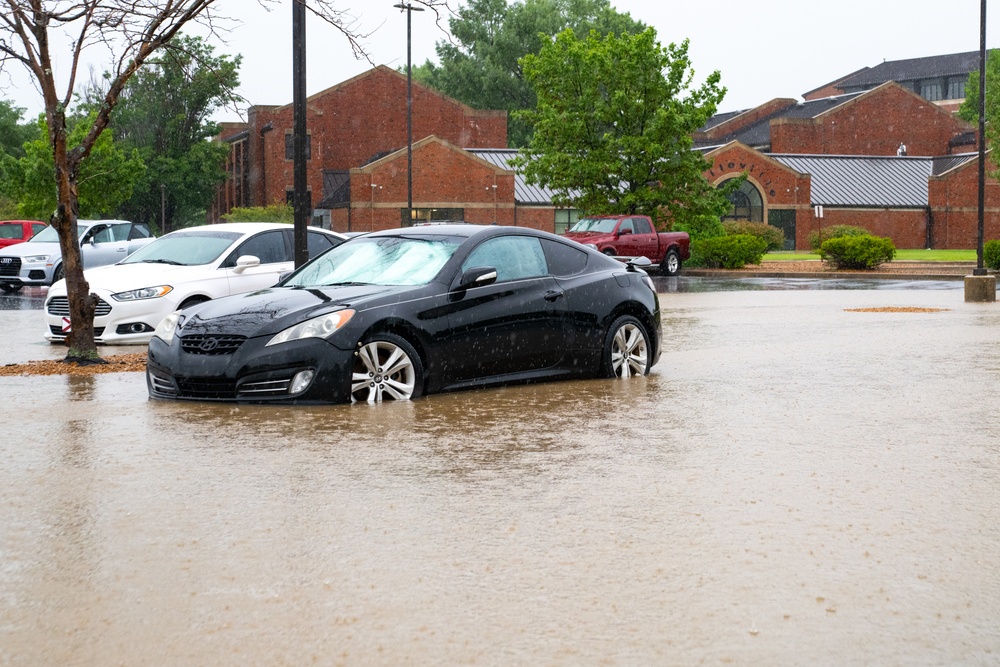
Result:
671,264
626,349
58,274
193,301
373,381
10,288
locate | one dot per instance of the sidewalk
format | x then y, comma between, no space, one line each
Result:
898,270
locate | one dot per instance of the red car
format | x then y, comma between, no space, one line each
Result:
633,236
18,231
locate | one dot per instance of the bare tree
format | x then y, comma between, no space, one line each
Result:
32,32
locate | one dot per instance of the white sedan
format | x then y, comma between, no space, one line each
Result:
178,270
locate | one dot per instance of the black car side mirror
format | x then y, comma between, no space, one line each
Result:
479,276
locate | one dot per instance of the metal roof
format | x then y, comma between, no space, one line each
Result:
952,64
949,162
864,181
758,133
523,193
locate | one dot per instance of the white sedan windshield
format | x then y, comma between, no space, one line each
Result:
186,248
378,261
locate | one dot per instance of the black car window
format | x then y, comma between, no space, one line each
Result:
563,259
269,247
641,226
514,257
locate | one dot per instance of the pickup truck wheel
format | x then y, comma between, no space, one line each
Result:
671,264
609,252
626,349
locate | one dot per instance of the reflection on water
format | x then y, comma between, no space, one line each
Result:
792,480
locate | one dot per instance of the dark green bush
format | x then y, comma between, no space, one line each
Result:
774,237
728,252
991,255
818,237
858,252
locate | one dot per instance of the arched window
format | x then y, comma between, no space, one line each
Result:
747,204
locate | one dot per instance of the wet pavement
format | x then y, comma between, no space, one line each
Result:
794,484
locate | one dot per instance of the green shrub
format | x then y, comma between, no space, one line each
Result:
701,227
728,252
273,213
774,237
818,237
858,252
991,255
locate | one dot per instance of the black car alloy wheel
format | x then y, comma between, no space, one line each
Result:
626,348
386,368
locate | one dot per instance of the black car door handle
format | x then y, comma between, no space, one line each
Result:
553,295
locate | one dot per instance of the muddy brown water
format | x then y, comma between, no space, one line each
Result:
794,484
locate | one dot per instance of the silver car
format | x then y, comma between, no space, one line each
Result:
38,261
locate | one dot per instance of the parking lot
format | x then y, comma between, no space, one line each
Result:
809,476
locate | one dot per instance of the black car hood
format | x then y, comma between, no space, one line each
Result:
271,310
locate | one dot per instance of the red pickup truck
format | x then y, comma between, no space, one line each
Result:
18,231
633,236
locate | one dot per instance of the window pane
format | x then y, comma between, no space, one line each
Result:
565,218
956,89
290,146
514,257
930,91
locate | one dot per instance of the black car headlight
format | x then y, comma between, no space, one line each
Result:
317,327
167,326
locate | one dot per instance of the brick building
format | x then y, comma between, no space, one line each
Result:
350,125
885,159
820,162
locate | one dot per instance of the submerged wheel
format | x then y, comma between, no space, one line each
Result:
626,349
386,368
671,264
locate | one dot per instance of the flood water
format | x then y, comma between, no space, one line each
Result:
794,484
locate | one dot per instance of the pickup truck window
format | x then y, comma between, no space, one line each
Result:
641,226
626,226
604,225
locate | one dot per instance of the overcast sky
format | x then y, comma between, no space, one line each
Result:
764,50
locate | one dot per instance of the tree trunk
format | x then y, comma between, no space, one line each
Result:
82,304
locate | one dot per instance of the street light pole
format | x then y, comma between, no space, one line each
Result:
980,269
409,9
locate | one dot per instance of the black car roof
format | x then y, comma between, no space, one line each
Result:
458,229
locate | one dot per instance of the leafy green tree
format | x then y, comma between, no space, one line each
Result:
164,113
104,182
614,124
481,67
13,133
272,213
969,111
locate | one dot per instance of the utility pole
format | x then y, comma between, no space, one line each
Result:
300,194
409,9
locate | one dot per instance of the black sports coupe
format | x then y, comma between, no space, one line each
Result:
401,313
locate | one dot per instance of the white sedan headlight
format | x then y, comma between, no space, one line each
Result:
317,327
144,293
167,326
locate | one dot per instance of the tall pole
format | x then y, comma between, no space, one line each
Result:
300,201
409,9
980,269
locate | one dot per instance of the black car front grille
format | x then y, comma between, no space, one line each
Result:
10,266
211,344
264,388
207,388
59,306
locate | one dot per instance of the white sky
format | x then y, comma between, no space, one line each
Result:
767,49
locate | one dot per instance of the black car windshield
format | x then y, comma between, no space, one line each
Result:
385,260
188,248
603,225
